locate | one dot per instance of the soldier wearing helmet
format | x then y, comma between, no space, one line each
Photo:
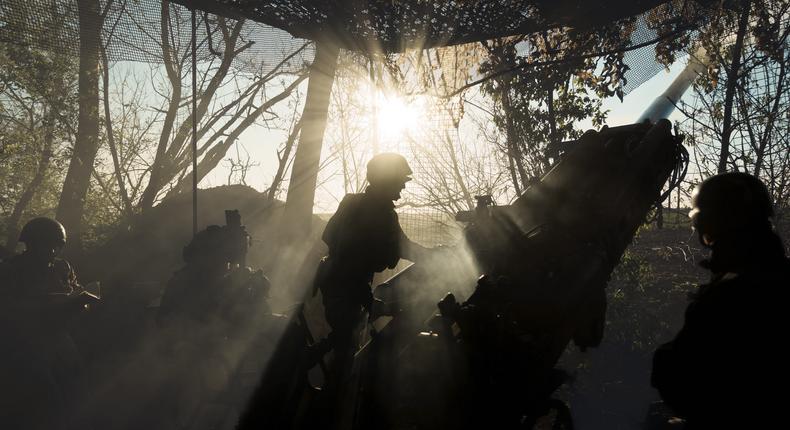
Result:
364,237
712,373
41,366
213,309
37,273
213,286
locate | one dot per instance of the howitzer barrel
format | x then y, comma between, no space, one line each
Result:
663,106
558,243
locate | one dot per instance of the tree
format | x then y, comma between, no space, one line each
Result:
285,151
218,128
75,186
453,170
134,150
304,175
37,99
547,93
352,132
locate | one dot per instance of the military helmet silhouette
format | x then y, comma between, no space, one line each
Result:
388,167
43,230
733,200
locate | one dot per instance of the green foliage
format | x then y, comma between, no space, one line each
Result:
38,112
632,270
549,91
673,33
102,216
639,304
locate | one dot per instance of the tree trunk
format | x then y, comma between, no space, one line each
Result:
283,162
732,80
512,169
304,176
75,187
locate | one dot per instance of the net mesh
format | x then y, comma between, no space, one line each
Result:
274,30
131,31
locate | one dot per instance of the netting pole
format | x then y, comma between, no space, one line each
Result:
374,100
194,123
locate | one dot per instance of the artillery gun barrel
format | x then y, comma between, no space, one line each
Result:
663,105
560,240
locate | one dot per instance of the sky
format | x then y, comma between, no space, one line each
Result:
634,103
261,143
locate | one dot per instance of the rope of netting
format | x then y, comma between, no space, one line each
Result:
194,125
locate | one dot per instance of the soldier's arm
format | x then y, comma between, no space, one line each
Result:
57,305
411,250
78,298
73,282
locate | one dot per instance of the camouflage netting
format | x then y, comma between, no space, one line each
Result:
279,28
131,32
396,25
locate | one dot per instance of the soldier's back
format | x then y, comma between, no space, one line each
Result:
22,277
364,234
723,366
41,368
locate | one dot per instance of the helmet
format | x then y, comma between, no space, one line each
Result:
388,167
730,202
43,231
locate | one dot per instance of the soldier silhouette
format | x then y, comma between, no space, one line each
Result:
213,311
721,368
215,287
41,369
364,237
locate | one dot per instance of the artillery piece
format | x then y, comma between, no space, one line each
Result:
550,254
489,362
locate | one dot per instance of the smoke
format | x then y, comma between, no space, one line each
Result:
201,373
188,374
194,373
446,269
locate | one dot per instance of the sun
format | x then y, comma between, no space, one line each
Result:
396,116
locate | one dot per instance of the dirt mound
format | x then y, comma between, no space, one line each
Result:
148,252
